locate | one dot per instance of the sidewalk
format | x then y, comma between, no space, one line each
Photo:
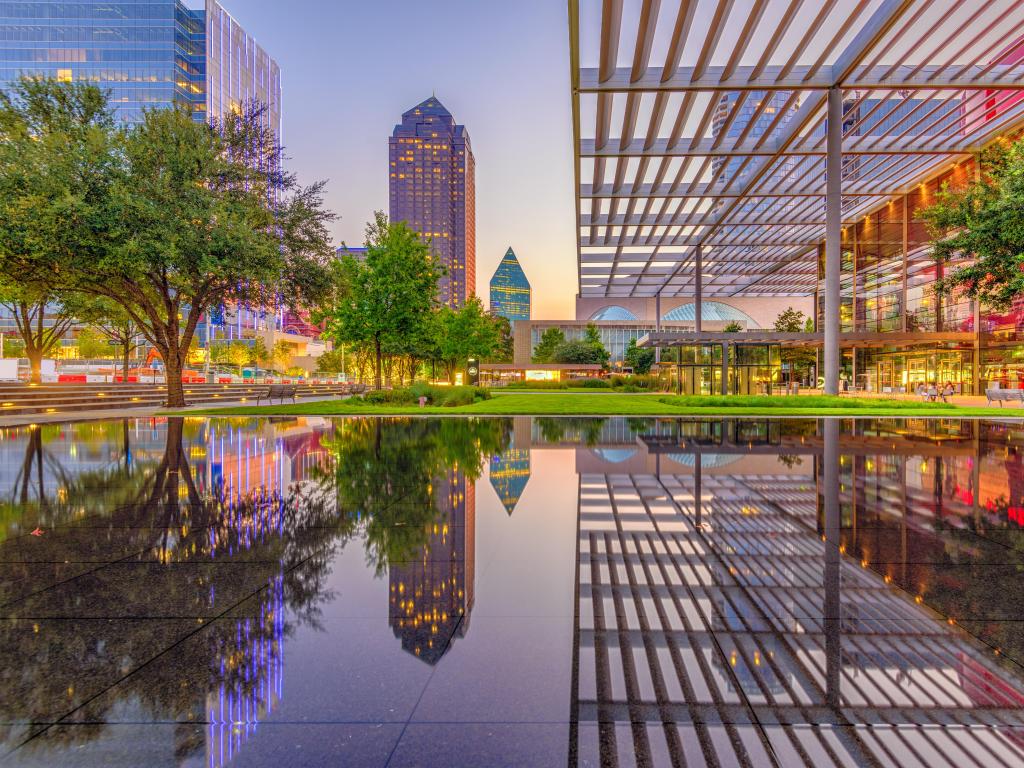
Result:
129,413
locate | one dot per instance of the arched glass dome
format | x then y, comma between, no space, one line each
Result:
614,455
614,314
711,311
707,460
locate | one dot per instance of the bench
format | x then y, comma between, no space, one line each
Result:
280,391
1002,395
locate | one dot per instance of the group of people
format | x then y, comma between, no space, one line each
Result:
930,392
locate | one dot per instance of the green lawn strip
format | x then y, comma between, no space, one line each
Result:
574,404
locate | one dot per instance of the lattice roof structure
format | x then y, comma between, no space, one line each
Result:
700,127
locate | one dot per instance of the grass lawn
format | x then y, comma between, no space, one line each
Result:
615,404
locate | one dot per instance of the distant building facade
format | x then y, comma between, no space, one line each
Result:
510,290
148,54
432,188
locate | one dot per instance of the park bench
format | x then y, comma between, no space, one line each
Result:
1002,395
280,391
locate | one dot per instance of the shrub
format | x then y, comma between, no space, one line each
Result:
539,385
389,397
591,383
456,396
636,383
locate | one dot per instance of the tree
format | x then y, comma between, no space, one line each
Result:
504,350
40,318
281,356
732,327
640,360
386,299
116,325
93,344
790,321
171,217
464,333
52,146
983,220
13,347
550,340
592,336
258,353
580,352
800,359
331,362
238,354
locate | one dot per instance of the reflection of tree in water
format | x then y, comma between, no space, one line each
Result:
583,430
157,515
385,474
381,483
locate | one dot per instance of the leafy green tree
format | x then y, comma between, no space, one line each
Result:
640,360
116,325
504,350
550,340
40,319
464,333
984,221
258,353
13,347
732,327
238,354
790,321
93,344
386,299
580,352
168,217
331,362
281,356
51,136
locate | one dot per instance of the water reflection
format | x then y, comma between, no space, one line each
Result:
726,585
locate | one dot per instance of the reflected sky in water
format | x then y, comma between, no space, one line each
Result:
614,592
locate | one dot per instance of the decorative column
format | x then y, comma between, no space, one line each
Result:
833,238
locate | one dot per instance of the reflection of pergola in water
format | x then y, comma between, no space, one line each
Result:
715,632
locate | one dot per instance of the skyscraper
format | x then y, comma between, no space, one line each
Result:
433,190
510,290
147,53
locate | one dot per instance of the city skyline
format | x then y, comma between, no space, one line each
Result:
524,176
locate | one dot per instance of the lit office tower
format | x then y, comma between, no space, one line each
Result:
147,53
433,190
510,290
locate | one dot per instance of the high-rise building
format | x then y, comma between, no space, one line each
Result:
433,190
147,53
510,290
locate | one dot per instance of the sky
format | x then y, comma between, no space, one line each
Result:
350,68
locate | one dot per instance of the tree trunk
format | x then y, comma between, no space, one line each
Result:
35,360
124,365
376,372
175,390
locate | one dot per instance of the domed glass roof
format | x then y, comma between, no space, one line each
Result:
614,313
712,311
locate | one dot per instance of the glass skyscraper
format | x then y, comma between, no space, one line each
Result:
146,53
510,290
433,190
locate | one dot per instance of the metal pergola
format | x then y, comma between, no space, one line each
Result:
703,131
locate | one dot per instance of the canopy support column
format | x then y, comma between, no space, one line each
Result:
657,325
833,237
698,291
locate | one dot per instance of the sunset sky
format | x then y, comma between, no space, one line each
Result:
349,70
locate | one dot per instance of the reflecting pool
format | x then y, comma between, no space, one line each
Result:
512,592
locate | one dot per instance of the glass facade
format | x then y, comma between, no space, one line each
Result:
752,369
510,290
146,53
432,188
615,337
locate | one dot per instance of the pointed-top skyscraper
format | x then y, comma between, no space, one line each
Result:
433,190
510,290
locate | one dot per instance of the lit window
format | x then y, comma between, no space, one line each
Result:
64,75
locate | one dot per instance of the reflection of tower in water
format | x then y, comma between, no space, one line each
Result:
432,596
509,474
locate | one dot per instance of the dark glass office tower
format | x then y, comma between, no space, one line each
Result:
433,189
510,290
147,53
